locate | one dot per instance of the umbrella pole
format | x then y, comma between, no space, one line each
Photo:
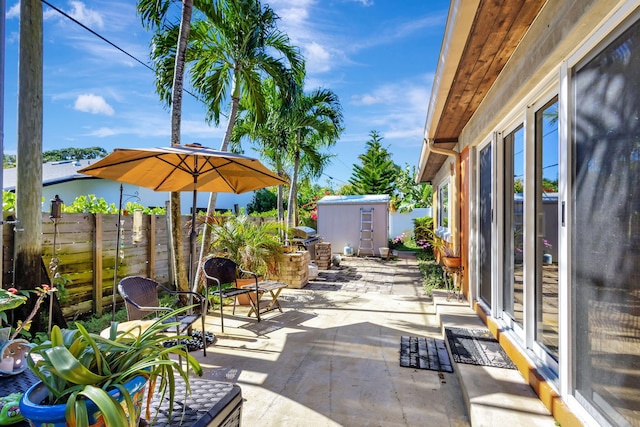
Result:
192,236
115,268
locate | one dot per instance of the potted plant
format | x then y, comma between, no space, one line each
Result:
253,245
86,379
451,257
431,240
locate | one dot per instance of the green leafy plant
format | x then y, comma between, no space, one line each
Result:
255,245
8,201
431,272
76,365
90,204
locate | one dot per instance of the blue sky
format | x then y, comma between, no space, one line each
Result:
379,56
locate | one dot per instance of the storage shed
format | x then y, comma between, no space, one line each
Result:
361,222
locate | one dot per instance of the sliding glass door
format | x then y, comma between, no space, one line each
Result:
485,223
513,280
546,208
605,276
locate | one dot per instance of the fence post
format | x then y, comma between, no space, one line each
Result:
97,265
151,247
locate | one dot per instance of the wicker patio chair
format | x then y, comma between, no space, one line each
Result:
140,295
220,271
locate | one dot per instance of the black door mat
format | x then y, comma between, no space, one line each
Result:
424,353
477,347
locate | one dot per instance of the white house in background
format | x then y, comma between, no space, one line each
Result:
62,178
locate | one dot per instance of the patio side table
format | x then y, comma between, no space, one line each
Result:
274,289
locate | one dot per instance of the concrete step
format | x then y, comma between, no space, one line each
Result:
493,396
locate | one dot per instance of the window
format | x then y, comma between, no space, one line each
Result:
443,208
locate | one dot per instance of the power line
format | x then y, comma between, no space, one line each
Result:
71,18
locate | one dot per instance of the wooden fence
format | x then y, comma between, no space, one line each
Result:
85,245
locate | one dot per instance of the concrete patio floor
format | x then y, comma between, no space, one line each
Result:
332,357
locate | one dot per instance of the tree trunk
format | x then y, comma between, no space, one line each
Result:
213,197
180,272
28,241
292,186
280,202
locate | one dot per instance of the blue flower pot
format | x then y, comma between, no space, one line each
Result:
41,415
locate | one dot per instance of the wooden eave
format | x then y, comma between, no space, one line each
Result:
494,33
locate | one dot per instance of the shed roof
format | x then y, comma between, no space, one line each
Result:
354,200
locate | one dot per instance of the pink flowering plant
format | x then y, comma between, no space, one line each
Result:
398,240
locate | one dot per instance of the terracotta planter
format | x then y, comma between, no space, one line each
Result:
451,262
243,299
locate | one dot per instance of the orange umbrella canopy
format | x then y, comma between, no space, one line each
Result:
184,168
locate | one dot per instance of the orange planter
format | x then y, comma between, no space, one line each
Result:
243,299
451,262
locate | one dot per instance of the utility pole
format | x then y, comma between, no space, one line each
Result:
2,31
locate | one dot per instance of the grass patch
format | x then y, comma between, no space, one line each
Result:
97,324
431,271
408,246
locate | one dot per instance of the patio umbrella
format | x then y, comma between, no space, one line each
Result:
185,168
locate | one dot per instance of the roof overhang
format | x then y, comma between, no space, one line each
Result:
480,38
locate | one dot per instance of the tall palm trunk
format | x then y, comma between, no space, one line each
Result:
180,270
291,205
213,197
28,242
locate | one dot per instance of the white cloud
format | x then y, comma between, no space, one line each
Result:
365,2
397,109
103,132
318,58
94,104
14,11
366,99
78,11
88,17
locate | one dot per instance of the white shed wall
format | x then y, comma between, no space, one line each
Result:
339,224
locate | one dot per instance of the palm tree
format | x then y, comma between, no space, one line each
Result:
233,46
293,134
315,122
153,13
269,135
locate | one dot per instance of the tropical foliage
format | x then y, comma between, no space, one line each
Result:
76,365
263,200
377,173
408,195
73,154
253,244
315,121
293,135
